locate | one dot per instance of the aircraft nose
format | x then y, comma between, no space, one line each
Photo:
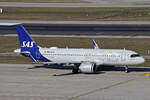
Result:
142,60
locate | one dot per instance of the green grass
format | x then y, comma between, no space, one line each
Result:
45,1
146,64
77,14
15,60
8,44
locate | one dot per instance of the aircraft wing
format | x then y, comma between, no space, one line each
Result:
51,63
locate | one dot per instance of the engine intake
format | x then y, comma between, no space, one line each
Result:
87,67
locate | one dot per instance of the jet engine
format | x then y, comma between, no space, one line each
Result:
87,67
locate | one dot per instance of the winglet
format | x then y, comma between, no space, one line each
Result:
95,44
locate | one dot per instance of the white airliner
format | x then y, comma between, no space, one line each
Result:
85,60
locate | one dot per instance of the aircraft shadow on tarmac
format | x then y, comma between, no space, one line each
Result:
130,69
100,68
62,68
53,67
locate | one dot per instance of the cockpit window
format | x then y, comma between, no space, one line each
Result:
135,55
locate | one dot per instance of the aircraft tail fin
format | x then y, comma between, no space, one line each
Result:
26,42
28,47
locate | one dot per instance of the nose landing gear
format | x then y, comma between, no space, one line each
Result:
126,69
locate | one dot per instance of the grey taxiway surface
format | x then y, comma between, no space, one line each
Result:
80,28
37,82
93,3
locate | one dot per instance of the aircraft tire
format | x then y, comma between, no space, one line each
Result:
75,70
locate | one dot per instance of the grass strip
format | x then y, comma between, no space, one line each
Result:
77,14
8,44
15,60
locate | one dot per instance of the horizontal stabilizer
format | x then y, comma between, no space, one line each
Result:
25,53
28,54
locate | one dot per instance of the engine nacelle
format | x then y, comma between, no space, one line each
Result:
87,67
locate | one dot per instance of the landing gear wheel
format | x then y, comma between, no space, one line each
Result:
75,70
126,69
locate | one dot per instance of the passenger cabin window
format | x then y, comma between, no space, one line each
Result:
135,55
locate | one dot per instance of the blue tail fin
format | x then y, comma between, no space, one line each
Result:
26,42
28,47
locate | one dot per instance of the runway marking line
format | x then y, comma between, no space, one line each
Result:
100,89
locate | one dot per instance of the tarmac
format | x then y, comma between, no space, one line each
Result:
38,82
127,29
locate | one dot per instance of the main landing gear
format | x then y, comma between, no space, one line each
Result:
75,70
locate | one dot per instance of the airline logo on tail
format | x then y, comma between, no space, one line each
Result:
28,44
